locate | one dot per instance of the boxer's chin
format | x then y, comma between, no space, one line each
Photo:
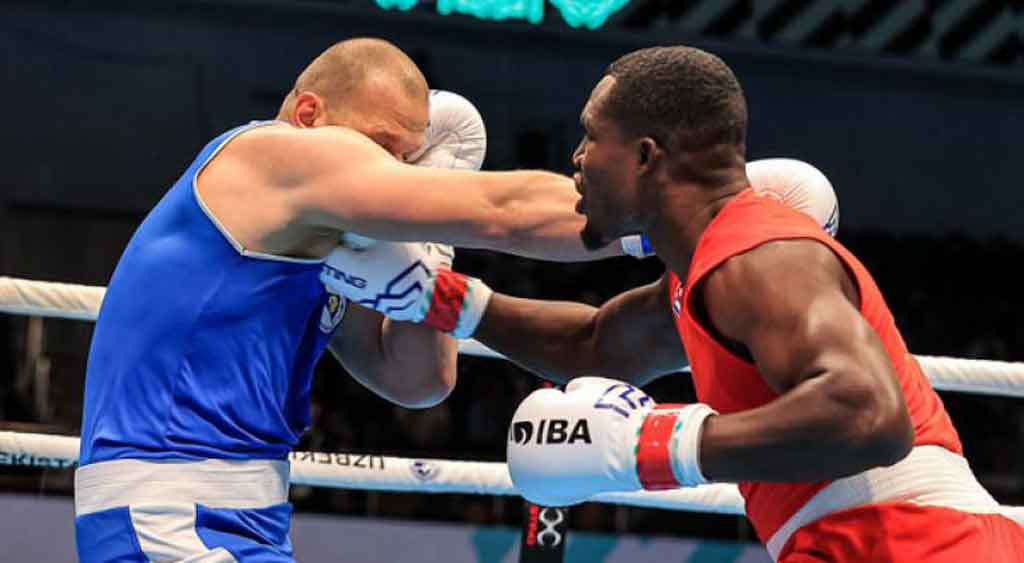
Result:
592,239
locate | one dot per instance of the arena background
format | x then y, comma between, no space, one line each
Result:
913,109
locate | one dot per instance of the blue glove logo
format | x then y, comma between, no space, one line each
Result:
397,295
622,399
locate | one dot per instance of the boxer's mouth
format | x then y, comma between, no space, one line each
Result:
581,205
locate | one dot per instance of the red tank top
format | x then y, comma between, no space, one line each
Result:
730,384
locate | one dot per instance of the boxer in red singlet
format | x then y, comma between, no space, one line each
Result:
809,399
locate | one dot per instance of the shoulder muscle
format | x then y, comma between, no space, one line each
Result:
790,303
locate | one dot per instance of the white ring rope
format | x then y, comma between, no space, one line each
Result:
374,472
384,473
50,299
82,302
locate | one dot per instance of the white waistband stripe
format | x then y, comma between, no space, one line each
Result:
213,482
930,476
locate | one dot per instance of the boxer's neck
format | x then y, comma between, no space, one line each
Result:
689,189
683,214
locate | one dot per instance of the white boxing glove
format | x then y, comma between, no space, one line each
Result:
388,277
601,435
793,182
798,185
408,281
456,137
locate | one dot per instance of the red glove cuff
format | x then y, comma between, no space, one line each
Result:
653,458
446,300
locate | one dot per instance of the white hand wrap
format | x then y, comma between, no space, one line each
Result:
793,182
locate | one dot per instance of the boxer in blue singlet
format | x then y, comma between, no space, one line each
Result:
199,373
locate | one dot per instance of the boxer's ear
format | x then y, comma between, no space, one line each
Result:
308,111
649,154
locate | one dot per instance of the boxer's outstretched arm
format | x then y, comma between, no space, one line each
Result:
347,182
411,365
793,305
632,337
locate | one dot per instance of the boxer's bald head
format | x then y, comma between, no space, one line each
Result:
368,85
343,69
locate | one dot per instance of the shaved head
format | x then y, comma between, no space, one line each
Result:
347,66
365,84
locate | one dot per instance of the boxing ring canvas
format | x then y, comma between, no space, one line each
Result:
40,529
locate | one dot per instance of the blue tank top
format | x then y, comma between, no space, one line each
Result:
202,349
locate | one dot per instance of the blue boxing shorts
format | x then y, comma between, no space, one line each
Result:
210,511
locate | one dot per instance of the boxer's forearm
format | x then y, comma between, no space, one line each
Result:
630,338
419,361
554,339
408,364
350,184
539,220
528,213
824,428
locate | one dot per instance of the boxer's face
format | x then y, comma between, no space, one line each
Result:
388,113
393,118
605,160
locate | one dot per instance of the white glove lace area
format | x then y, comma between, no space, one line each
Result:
389,277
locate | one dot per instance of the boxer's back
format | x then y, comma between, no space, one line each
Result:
202,349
